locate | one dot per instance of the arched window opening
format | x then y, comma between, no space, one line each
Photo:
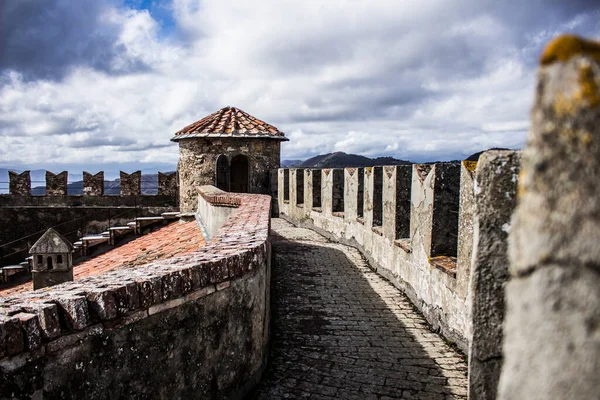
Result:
49,260
240,174
222,179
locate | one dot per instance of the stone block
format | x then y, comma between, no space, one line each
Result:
552,325
19,184
466,212
93,185
167,184
131,183
48,318
74,311
56,184
32,332
495,200
102,304
12,340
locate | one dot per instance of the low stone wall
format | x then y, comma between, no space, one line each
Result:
194,326
414,224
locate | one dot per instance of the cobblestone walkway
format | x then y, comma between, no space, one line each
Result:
341,331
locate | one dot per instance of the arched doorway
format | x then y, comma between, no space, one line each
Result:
222,173
240,174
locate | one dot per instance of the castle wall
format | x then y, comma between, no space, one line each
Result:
552,325
421,240
198,164
24,217
194,326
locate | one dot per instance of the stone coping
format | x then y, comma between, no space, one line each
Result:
49,319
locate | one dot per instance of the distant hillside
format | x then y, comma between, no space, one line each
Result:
290,163
343,160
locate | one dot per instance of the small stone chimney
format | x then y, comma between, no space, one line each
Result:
52,260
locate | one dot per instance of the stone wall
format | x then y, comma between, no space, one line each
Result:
552,326
416,228
23,217
198,164
194,326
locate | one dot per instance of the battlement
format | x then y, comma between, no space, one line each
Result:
415,224
20,184
219,293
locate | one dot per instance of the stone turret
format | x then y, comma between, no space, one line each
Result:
52,260
229,149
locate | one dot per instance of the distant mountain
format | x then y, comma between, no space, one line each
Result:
290,163
343,160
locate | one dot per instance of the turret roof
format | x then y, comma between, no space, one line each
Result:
51,242
230,122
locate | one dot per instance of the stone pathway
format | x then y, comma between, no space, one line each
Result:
341,331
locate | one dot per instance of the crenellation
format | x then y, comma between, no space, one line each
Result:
493,204
316,186
466,213
299,177
444,240
414,202
337,190
167,184
350,193
56,184
19,184
93,185
377,198
131,184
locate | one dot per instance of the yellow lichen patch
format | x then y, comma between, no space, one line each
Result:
564,47
563,106
587,95
589,90
470,165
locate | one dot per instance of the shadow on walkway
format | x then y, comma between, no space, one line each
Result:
339,330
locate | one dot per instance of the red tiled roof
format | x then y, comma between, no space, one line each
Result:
229,122
172,240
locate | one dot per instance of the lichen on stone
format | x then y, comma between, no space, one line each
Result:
565,47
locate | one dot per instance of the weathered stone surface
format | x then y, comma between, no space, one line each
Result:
552,331
32,332
93,185
131,184
167,184
47,318
430,283
342,331
198,343
466,212
198,162
11,336
495,200
74,309
56,184
19,184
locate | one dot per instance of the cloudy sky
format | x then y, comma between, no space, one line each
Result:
103,84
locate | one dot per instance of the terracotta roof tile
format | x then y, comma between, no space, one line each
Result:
172,240
229,122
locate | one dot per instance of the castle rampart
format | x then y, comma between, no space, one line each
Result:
415,224
194,326
24,216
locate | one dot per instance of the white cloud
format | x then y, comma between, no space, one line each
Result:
369,77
